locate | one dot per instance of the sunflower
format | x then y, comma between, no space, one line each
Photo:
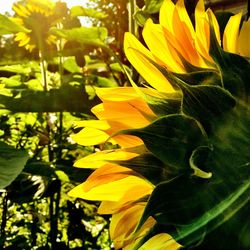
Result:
38,17
180,44
178,177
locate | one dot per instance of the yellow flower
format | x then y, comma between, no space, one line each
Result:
37,16
236,40
122,191
175,38
119,188
115,103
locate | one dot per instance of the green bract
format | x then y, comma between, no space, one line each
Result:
198,155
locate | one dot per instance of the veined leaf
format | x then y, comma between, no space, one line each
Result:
94,36
8,26
81,11
12,162
71,65
152,6
18,68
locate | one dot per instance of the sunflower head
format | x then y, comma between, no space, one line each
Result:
37,16
182,168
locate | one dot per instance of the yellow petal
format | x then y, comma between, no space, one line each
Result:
124,223
113,191
98,124
106,174
130,196
135,52
117,94
202,30
215,25
185,35
128,141
166,15
244,38
99,159
20,10
90,137
112,111
161,241
154,37
20,36
231,33
184,17
24,41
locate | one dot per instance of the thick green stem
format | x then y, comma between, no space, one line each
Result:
131,11
43,71
61,59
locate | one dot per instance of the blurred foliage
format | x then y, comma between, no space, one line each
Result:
36,121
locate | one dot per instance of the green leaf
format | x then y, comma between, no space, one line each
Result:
12,162
18,68
172,139
67,98
105,82
62,176
12,81
7,26
141,17
152,6
94,36
71,66
81,11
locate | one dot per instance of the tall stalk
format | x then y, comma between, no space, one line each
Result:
132,25
60,65
43,68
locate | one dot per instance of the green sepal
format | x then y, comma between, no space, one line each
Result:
206,103
199,161
168,104
172,139
200,77
192,206
161,103
203,102
234,69
148,166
